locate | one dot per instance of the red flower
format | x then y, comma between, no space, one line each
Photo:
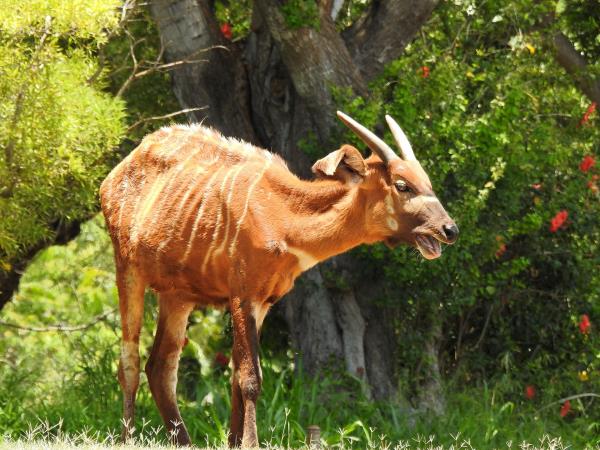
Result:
425,71
587,163
588,113
530,391
565,408
536,186
558,220
226,31
221,360
585,324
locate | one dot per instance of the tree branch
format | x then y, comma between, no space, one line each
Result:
126,10
572,397
166,116
62,328
576,65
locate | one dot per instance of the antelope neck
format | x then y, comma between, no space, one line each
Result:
327,218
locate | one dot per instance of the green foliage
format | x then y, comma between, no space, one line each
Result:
301,14
582,20
497,125
73,19
57,131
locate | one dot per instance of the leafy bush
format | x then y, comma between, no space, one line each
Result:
509,144
57,129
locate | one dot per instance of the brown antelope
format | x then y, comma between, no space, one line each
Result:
208,220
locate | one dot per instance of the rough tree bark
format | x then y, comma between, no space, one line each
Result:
429,390
273,89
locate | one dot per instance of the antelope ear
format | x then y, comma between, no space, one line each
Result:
345,164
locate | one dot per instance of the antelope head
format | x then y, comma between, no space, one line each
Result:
403,206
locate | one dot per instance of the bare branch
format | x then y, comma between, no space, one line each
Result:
488,316
62,328
155,66
168,66
166,116
572,397
126,10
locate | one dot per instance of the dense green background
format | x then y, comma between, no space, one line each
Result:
498,125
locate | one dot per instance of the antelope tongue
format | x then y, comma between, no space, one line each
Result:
429,246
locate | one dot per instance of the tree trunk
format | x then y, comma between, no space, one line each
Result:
273,89
429,390
576,65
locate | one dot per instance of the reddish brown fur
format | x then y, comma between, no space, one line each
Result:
205,220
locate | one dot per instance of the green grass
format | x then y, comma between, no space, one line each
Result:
49,437
46,436
59,390
86,413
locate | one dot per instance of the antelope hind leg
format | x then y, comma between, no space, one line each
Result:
162,365
131,305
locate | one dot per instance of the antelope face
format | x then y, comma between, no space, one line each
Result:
422,220
411,213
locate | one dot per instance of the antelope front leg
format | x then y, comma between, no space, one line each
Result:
246,380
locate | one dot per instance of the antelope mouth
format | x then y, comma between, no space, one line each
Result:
429,246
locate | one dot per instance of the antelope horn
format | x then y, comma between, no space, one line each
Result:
401,139
373,142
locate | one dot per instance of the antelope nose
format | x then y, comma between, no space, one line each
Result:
451,232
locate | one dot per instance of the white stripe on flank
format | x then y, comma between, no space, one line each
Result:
175,220
133,223
204,201
159,185
108,192
218,223
232,186
125,185
245,211
155,190
175,175
178,144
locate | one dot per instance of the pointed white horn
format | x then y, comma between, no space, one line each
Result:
373,142
401,139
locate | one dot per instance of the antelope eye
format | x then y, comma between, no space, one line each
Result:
402,186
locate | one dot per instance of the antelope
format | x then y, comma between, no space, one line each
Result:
206,220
